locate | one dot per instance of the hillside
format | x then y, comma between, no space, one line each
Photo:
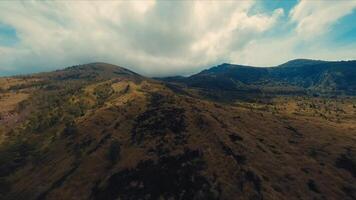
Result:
100,131
294,77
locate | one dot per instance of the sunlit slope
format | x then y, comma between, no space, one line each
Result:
92,132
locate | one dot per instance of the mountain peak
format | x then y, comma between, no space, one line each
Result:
95,70
301,62
95,66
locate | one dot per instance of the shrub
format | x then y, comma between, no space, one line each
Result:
103,92
114,152
70,129
14,155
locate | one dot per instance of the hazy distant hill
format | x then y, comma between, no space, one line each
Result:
321,77
99,131
302,62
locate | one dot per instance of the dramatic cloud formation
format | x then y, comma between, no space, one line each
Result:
315,17
162,37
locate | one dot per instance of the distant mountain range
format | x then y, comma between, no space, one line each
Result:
295,76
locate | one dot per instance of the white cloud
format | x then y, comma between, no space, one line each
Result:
272,51
163,37
266,52
154,38
314,18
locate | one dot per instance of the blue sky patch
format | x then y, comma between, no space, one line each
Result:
165,38
8,36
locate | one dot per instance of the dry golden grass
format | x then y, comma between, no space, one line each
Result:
9,100
6,83
250,150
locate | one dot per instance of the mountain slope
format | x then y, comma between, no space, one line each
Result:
89,133
321,76
91,71
293,77
302,62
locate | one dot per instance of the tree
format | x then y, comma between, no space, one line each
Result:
114,151
70,128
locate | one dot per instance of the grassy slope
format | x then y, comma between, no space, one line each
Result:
136,138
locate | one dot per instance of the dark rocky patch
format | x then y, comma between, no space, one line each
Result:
235,137
344,161
157,100
171,177
221,122
102,141
84,143
158,122
350,191
315,152
176,89
249,179
162,117
252,177
240,159
114,151
5,186
14,157
295,132
312,186
58,182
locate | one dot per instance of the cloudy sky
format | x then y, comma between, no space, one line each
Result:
159,38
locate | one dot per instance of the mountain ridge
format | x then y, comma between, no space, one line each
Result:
305,74
303,61
97,132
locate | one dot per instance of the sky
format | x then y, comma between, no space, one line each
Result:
165,38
